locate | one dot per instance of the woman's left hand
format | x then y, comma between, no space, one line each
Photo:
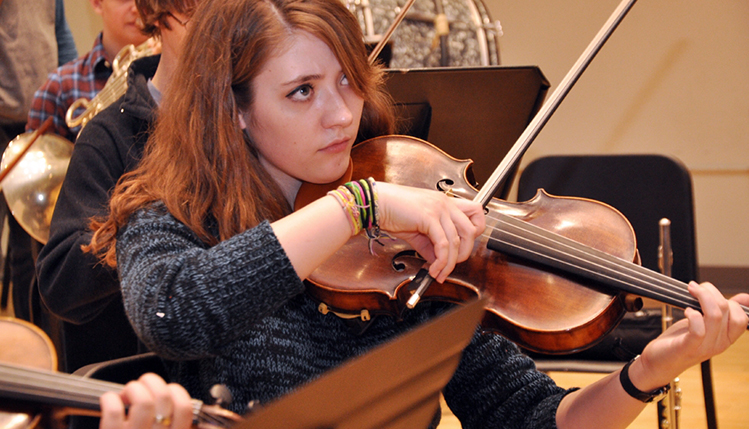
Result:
151,404
694,339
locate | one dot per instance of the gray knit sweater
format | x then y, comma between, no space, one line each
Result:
236,314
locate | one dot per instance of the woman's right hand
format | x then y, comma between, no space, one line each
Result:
442,229
151,403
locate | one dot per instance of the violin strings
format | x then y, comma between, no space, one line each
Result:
601,261
73,389
215,420
641,280
53,385
571,253
637,278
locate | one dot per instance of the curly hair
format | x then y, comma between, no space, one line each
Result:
156,11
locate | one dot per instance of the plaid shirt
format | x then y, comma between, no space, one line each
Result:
80,78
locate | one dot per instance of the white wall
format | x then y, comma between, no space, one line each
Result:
672,79
85,24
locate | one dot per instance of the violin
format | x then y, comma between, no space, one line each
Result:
559,272
33,395
382,283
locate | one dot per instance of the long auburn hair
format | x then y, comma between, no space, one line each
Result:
197,160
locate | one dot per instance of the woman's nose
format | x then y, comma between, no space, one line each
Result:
337,111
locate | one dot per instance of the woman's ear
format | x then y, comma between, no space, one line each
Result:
242,123
96,4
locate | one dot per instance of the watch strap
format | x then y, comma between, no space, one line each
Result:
637,393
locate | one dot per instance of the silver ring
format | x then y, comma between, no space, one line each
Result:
162,420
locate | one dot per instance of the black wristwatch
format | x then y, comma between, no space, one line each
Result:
653,395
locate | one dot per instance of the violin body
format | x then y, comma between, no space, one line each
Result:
538,308
31,348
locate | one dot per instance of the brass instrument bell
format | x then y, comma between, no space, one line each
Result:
31,187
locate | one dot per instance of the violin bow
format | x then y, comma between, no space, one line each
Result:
548,109
499,175
389,33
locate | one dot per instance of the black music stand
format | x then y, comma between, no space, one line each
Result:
396,385
473,113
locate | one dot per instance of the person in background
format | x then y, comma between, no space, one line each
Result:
34,40
86,76
212,256
79,294
78,78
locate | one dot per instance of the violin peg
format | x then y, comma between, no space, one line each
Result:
221,395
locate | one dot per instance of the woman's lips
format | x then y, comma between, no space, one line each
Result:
336,146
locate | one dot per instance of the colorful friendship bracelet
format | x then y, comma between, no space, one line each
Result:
359,200
346,200
374,233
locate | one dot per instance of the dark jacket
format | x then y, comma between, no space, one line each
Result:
83,294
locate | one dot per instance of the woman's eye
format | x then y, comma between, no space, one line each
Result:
301,92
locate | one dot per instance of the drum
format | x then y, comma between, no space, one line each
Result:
472,38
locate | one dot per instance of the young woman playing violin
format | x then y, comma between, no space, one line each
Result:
212,259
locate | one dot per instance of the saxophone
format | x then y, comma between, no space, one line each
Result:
115,86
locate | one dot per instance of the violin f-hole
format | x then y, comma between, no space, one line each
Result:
445,185
399,266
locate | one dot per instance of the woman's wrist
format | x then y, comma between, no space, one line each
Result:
644,377
359,201
640,390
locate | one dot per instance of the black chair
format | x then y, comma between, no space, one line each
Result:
645,189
